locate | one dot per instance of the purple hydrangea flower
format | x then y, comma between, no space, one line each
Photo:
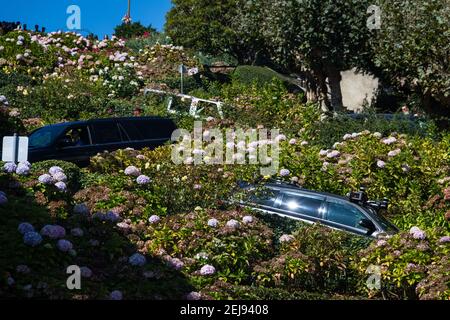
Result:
132,171
112,216
420,235
247,219
3,199
86,272
22,170
64,245
397,253
9,167
45,179
22,268
116,295
53,170
176,263
284,172
61,186
347,136
53,231
292,141
99,215
381,164
77,232
389,140
192,296
60,176
280,137
233,224
25,227
154,219
394,153
81,208
10,281
142,180
32,239
286,238
213,223
333,154
417,233
207,270
25,163
444,239
414,230
137,259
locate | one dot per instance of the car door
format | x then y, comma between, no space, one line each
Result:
343,215
106,136
74,145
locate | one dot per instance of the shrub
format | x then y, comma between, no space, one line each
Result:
411,266
317,259
232,251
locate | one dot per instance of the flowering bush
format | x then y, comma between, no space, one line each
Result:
314,258
226,253
409,263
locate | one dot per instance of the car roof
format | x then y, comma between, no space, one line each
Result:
291,187
70,123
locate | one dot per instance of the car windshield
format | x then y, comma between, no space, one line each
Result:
382,221
45,136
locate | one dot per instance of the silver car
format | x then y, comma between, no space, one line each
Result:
354,214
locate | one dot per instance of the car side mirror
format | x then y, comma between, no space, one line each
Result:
367,224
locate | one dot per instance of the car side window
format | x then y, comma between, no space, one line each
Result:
76,137
106,132
131,130
155,129
344,214
304,204
265,197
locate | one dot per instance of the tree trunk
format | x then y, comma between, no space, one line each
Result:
334,81
322,90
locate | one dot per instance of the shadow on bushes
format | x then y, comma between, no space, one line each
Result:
40,271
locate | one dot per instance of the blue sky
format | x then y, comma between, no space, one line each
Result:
97,16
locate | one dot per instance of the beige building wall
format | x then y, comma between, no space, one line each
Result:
356,88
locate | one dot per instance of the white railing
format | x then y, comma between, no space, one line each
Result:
194,111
